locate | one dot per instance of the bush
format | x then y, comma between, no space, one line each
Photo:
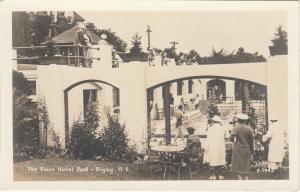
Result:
25,120
82,142
115,140
111,143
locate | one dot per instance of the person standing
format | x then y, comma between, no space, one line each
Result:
242,137
275,135
172,110
196,102
215,148
178,126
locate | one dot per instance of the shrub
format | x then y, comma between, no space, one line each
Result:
115,141
111,143
82,141
25,120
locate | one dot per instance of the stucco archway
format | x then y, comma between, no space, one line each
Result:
66,101
165,86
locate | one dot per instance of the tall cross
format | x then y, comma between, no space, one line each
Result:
148,31
174,43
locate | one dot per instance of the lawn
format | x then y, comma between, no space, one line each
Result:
60,169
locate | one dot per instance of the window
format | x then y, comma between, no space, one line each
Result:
89,95
179,87
32,87
116,97
190,86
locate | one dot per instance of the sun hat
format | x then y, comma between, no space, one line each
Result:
242,116
216,118
190,128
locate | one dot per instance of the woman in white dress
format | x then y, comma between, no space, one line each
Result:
276,147
215,148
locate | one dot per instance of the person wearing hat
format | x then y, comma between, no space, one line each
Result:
215,148
242,150
275,136
193,147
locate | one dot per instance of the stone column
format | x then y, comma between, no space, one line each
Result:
173,89
203,89
185,90
230,91
157,96
197,88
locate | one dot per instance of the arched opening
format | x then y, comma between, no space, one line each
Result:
164,99
84,96
216,90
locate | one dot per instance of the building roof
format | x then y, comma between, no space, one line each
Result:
77,17
70,36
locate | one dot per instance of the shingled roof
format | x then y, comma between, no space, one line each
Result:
70,36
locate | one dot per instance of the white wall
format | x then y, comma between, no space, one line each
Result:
134,78
133,102
49,80
277,90
247,71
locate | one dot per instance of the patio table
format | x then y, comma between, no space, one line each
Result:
170,156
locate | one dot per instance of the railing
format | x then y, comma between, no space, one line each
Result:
224,100
56,46
68,55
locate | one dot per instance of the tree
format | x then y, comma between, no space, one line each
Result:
112,38
218,56
25,119
115,140
169,53
279,42
136,48
280,38
240,51
193,57
181,58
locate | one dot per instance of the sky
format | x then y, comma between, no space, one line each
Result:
201,31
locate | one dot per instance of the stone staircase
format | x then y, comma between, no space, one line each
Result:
229,110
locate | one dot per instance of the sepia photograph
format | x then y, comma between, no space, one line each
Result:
164,95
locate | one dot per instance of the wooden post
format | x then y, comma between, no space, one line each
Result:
78,54
149,108
68,53
166,99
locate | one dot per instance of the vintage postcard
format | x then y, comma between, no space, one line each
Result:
150,95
